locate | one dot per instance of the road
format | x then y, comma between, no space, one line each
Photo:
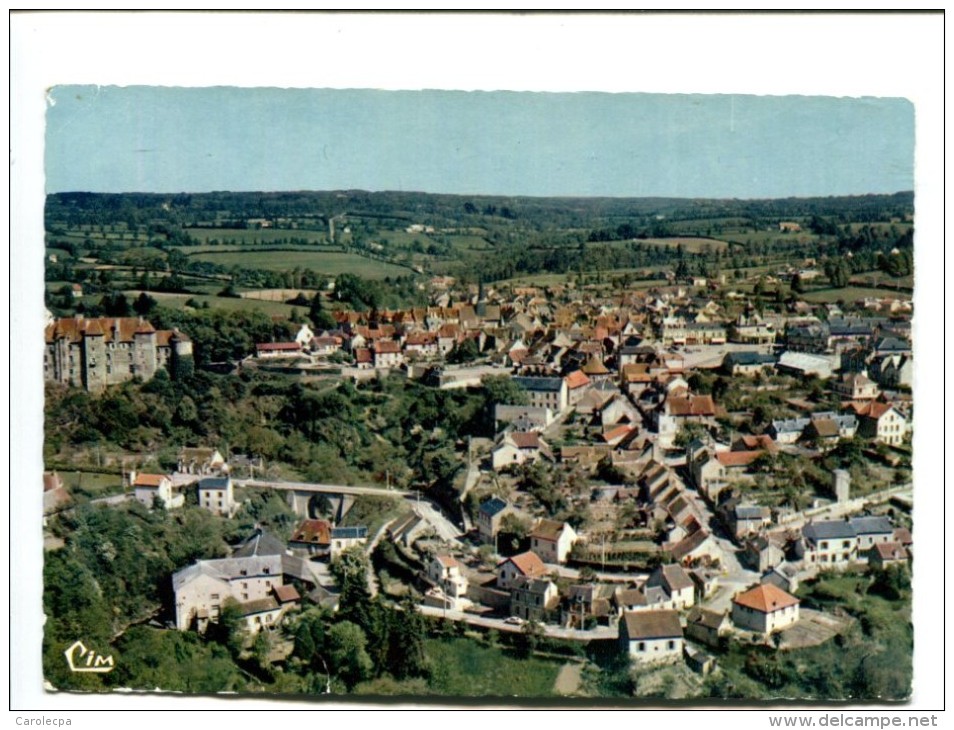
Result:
553,632
430,513
115,499
735,577
572,573
326,488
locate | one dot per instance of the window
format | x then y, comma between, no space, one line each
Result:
824,544
670,645
214,596
642,646
845,543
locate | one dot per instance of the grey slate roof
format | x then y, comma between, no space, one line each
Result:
651,625
830,530
843,529
790,425
214,483
493,506
261,543
747,358
872,525
551,385
349,533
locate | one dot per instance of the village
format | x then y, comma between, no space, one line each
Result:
667,466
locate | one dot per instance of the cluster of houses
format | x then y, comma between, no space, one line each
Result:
619,372
264,577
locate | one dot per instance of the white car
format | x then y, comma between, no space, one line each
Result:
514,621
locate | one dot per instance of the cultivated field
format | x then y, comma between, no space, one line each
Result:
330,263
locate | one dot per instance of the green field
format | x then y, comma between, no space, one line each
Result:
330,263
91,484
850,294
469,243
465,668
690,244
230,304
265,235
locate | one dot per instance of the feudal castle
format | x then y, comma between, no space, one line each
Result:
97,352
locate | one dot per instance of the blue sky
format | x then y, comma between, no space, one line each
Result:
158,139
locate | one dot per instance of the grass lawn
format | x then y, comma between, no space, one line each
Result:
465,668
330,263
91,484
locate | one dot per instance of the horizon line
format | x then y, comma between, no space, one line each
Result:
480,195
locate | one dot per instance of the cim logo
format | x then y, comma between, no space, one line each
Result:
82,659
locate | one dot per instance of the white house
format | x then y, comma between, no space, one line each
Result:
764,609
552,540
387,354
678,586
445,571
549,392
200,460
517,448
202,588
304,336
217,496
147,487
343,538
526,564
881,422
652,637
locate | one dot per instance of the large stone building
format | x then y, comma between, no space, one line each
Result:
94,353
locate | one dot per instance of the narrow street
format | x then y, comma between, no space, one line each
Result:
553,632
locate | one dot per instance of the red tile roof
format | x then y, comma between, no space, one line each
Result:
891,551
618,432
149,480
448,561
529,564
386,347
313,532
121,329
755,443
362,354
576,379
528,440
286,594
870,409
691,405
766,598
737,458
